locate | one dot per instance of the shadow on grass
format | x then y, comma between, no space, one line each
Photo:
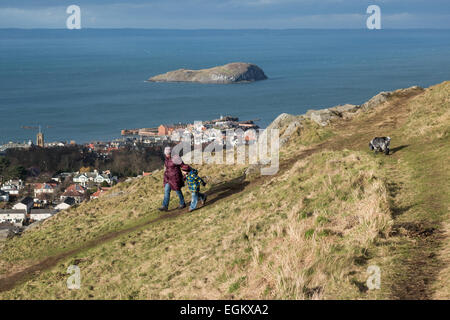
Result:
398,211
396,149
226,189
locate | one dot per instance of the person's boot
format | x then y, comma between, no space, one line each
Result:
163,209
204,200
182,206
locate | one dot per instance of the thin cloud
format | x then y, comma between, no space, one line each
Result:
225,14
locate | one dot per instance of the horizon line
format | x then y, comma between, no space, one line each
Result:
213,29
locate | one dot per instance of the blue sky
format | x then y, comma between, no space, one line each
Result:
225,14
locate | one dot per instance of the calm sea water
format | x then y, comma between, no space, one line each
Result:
89,84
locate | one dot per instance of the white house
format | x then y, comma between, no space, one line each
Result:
103,178
41,214
82,179
16,217
4,196
25,204
44,188
55,144
68,202
13,187
11,190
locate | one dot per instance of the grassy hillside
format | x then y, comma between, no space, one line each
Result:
309,232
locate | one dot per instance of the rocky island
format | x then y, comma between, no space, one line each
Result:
230,73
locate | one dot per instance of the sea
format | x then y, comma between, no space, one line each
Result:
86,85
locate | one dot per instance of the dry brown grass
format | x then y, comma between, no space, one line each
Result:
314,249
430,113
257,244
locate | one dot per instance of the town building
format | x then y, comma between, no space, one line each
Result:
60,177
81,178
164,130
101,178
41,214
226,118
77,196
16,217
40,139
55,144
94,177
76,188
4,196
130,132
148,132
25,204
45,188
155,141
179,134
42,200
99,193
14,145
246,126
13,187
66,204
167,130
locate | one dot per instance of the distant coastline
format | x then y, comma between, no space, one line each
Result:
155,136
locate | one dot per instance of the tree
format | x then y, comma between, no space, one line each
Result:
4,164
16,172
85,169
104,184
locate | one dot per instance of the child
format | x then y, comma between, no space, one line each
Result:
193,182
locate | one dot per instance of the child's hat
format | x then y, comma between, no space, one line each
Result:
185,167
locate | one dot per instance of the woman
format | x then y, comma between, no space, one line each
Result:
173,179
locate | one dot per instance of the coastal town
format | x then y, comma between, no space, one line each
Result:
209,131
156,136
36,196
23,203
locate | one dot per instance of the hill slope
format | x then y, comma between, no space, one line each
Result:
310,231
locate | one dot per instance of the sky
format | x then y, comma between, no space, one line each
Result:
225,14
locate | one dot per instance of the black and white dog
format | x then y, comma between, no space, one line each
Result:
380,144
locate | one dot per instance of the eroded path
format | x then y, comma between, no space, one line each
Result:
420,206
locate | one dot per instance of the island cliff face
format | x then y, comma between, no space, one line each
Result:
230,73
